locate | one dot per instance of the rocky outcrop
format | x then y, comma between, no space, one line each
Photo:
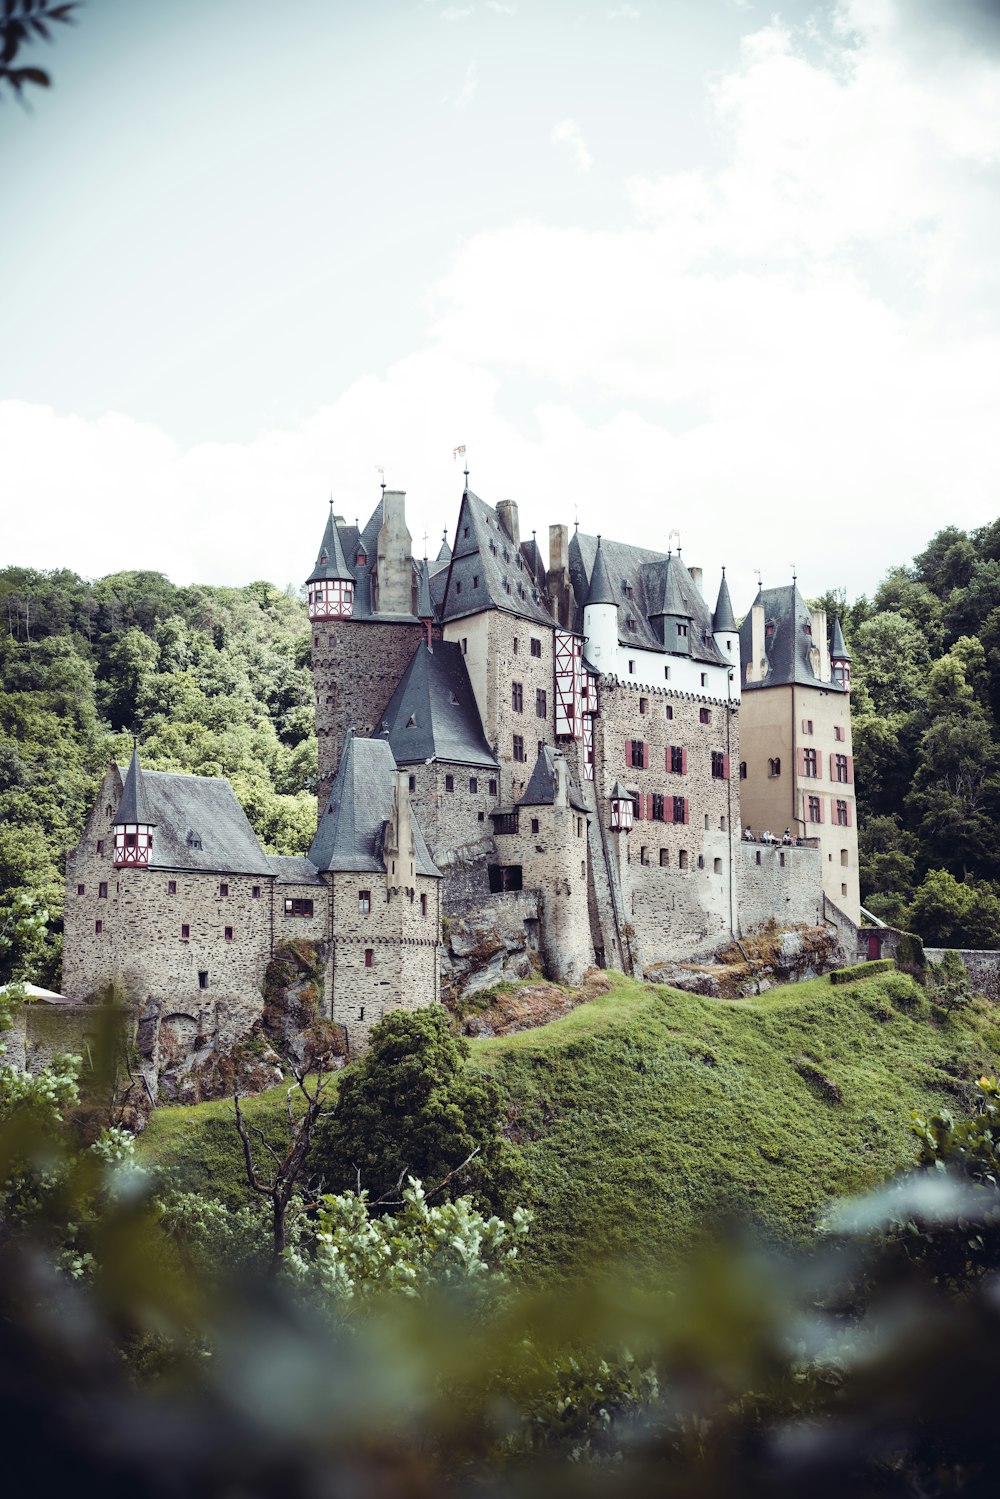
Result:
774,955
293,1000
489,942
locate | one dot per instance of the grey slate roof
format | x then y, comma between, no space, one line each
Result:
541,788
838,646
436,693
330,561
444,555
644,572
487,569
348,542
787,641
134,805
723,618
191,810
293,869
351,831
673,601
599,590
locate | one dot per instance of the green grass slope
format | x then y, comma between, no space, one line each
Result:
647,1110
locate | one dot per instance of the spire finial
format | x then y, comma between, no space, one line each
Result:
381,474
795,576
723,569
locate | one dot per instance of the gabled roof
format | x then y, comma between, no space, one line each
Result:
787,641
838,646
330,561
723,618
645,574
200,826
134,805
351,831
541,788
432,715
487,570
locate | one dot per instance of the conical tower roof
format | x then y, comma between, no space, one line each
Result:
444,555
838,646
600,590
723,618
331,562
674,602
134,805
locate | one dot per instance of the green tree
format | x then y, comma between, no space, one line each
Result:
412,1107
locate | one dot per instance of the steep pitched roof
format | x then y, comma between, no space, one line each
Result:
200,826
351,831
444,554
599,590
838,646
487,569
541,788
787,641
637,579
134,805
723,618
673,601
330,561
432,715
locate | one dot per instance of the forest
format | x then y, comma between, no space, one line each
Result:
216,681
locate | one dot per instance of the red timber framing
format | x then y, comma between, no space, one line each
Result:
588,747
331,599
133,845
569,674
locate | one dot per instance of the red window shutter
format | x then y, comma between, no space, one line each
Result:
725,767
684,765
649,806
666,758
850,768
685,809
850,819
820,800
668,808
628,753
645,756
638,807
801,754
833,767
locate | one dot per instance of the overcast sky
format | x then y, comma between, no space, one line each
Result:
692,265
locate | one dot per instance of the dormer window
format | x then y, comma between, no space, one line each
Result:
411,722
465,531
452,698
193,839
362,559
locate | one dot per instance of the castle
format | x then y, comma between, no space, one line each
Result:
574,748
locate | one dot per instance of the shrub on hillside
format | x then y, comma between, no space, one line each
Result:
411,1107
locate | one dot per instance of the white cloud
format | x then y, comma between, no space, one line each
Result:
500,8
456,13
567,132
623,13
470,85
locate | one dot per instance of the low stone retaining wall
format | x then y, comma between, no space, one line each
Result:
981,964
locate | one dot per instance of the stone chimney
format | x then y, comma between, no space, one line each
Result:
697,579
757,665
507,516
394,558
821,645
557,578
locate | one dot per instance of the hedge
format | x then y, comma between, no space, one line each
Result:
863,970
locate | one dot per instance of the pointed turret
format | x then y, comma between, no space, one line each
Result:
133,824
672,620
840,657
723,619
330,586
425,609
600,616
444,555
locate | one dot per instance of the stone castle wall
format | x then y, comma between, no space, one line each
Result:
403,942
554,862
356,666
675,878
779,884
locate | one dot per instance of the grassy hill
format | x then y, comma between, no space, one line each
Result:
646,1110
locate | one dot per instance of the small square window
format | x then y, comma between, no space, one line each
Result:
364,902
171,887
223,889
704,715
449,783
227,933
80,889
185,931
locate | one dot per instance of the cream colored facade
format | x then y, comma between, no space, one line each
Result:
781,729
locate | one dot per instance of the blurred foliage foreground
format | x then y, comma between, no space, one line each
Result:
144,1351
